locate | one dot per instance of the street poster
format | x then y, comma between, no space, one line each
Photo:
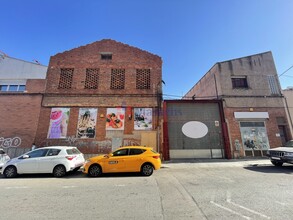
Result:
115,119
58,123
86,125
143,118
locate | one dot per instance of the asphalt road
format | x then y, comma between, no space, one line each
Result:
248,189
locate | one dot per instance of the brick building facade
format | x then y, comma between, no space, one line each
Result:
252,100
22,84
108,95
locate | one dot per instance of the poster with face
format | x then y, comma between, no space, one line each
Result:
86,125
115,119
58,123
143,118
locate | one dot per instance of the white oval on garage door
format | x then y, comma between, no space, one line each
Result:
195,129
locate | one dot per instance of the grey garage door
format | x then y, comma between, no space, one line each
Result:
194,130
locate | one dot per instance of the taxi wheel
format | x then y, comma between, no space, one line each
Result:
10,172
95,170
147,169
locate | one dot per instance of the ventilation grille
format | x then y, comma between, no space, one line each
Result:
117,78
143,79
92,79
65,81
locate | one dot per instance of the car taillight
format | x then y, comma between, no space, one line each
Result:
70,157
156,157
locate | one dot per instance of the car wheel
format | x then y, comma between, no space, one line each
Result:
10,172
59,171
147,169
95,170
277,163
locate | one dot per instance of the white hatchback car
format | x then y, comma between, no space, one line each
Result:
55,159
3,158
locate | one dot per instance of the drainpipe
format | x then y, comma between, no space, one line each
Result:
290,118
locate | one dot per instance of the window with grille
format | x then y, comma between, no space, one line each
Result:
92,79
143,79
117,79
239,83
66,76
273,85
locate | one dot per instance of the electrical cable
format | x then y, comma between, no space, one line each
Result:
285,71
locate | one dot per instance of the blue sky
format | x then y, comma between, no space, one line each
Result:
189,35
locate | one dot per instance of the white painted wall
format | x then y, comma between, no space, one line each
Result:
14,69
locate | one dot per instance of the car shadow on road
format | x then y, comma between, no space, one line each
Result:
285,169
77,174
70,175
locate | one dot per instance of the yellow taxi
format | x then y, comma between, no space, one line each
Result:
125,159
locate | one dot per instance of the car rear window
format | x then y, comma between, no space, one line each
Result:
72,151
154,151
53,152
136,151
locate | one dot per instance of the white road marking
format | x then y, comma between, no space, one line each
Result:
121,185
281,203
249,210
230,210
16,187
242,207
66,187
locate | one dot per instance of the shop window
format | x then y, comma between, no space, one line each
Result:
66,77
254,136
239,83
92,79
143,79
117,79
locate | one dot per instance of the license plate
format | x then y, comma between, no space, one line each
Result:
276,158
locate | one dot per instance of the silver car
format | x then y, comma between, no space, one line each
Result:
282,154
57,160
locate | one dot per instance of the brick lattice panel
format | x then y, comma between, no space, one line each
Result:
143,79
117,79
92,79
65,81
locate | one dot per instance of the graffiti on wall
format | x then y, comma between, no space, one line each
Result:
71,140
9,142
101,146
131,143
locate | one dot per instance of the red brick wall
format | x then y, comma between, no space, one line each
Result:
19,115
35,85
123,57
270,124
89,56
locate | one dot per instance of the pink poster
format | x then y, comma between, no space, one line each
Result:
58,123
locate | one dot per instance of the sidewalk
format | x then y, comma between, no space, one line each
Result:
181,163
